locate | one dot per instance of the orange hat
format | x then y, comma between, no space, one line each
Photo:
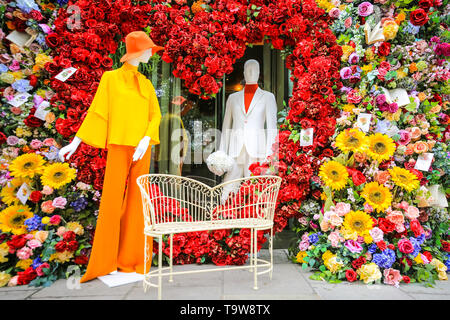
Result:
137,42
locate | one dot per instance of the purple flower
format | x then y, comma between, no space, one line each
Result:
345,73
353,58
365,9
353,246
380,99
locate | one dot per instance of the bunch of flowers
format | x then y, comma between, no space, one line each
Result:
384,191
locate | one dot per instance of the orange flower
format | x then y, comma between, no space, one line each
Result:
359,157
422,96
431,144
412,67
409,149
415,133
400,18
420,147
382,177
10,25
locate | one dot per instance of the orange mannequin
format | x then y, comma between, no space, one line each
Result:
249,92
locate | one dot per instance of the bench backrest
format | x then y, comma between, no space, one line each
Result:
175,199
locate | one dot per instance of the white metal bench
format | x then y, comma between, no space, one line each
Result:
242,203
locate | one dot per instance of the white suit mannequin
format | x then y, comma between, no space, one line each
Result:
243,134
66,152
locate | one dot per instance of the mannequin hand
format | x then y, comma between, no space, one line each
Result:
141,148
66,152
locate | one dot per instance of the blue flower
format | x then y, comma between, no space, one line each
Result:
27,5
410,28
52,154
36,262
416,245
447,262
34,223
79,204
22,85
313,238
3,68
385,259
372,248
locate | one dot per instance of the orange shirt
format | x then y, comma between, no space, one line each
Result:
249,92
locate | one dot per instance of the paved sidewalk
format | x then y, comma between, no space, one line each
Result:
289,282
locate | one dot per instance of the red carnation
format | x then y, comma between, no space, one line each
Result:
69,236
445,245
2,138
72,245
33,80
391,246
384,49
357,263
81,259
60,246
385,225
418,17
36,196
351,275
381,245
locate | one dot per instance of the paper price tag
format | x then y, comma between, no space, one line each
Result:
423,162
66,74
19,99
40,112
23,193
306,137
363,121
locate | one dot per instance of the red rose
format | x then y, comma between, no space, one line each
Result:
384,49
26,276
69,236
36,15
418,17
72,245
425,4
418,174
31,121
35,196
445,246
33,80
406,279
416,228
381,245
60,246
81,259
357,263
53,40
16,242
351,275
357,177
405,246
385,225
428,255
391,246
2,138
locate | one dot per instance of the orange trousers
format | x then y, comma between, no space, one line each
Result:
119,238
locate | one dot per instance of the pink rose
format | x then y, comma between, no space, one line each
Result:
303,246
365,9
353,246
400,228
335,219
342,208
35,144
59,202
376,234
334,13
39,270
403,205
47,190
405,137
13,281
55,220
34,243
392,277
29,236
405,246
47,206
353,97
412,213
24,253
348,22
396,217
61,231
335,238
49,142
368,208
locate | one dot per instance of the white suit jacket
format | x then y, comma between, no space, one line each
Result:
247,128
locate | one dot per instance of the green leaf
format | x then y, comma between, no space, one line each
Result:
304,266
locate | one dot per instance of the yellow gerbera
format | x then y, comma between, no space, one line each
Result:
404,178
381,147
24,264
351,140
27,165
333,174
12,219
377,196
300,256
57,175
359,222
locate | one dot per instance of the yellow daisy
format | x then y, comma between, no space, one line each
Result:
8,193
27,165
12,219
57,175
333,174
351,140
381,147
404,178
359,222
377,196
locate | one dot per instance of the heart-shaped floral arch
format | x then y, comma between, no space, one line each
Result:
202,40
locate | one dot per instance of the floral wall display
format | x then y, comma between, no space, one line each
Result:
382,214
48,210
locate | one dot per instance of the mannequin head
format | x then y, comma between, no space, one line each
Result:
251,71
144,57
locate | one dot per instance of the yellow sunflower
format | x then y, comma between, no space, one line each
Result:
377,196
404,178
359,222
12,219
27,165
8,193
381,147
352,140
57,175
333,174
